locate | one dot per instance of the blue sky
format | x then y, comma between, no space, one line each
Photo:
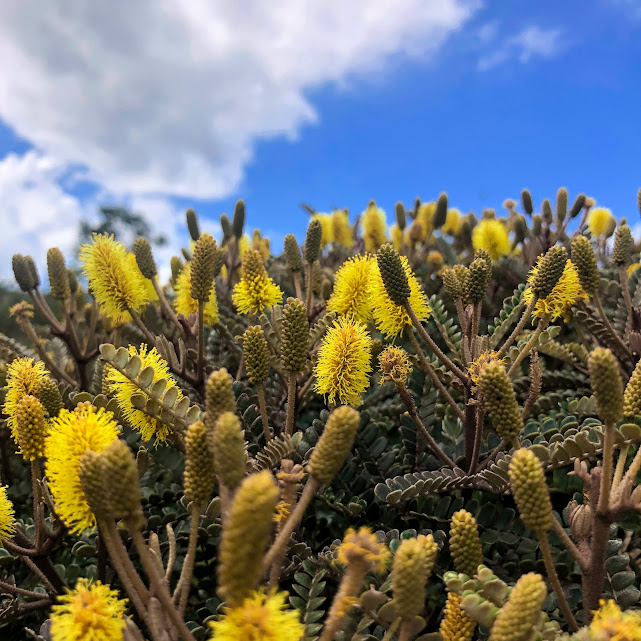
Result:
479,99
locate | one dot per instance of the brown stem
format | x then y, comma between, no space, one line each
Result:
519,327
525,350
461,315
38,515
201,341
291,403
478,439
297,285
45,310
623,279
310,288
184,582
606,474
535,383
142,327
593,579
263,412
569,544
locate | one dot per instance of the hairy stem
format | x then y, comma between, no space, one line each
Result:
623,279
527,348
184,582
310,287
263,412
519,327
291,403
201,341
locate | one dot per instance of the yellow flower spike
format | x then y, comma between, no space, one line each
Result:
343,234
122,389
396,234
424,218
23,378
256,290
611,623
327,225
32,428
184,304
374,227
390,318
362,547
114,278
490,234
456,625
453,222
89,612
600,221
71,435
7,516
260,617
351,289
343,366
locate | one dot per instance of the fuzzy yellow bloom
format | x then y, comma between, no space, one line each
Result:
343,234
256,290
260,617
122,389
149,286
453,222
390,318
7,516
114,280
327,226
71,435
600,221
633,268
23,378
343,366
490,234
184,304
611,624
362,546
566,293
350,296
374,227
397,236
89,612
260,244
424,218
479,363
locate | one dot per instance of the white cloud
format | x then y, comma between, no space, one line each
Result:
528,43
169,97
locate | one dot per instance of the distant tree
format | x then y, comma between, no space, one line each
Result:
125,225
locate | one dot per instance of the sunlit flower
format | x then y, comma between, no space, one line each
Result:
71,435
343,366
600,221
343,233
350,296
184,304
453,222
425,220
123,389
260,244
396,234
89,612
327,226
256,290
395,365
633,268
7,516
391,319
362,547
611,624
374,227
261,617
490,234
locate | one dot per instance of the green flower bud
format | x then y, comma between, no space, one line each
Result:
49,395
561,204
519,227
22,272
530,491
537,224
393,274
452,284
145,258
639,199
192,224
57,270
313,240
176,267
202,268
623,244
34,271
500,400
526,201
465,234
401,219
632,395
92,481
550,269
230,451
238,221
246,534
334,444
73,281
465,543
31,428
409,578
219,398
546,212
440,213
577,206
294,335
606,385
199,465
585,263
477,281
292,253
227,228
121,482
256,354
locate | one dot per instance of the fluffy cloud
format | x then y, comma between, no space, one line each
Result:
169,97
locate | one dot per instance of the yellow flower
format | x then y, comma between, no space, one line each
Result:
122,389
260,617
453,222
434,259
260,244
479,363
424,218
149,286
456,625
89,612
343,366
363,547
391,319
611,624
71,435
7,516
600,221
114,280
566,293
343,234
395,365
23,378
351,289
374,227
490,234
243,244
256,290
283,510
327,226
397,237
184,304
633,268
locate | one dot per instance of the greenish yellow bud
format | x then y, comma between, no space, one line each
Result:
452,284
465,234
176,267
292,253
401,219
203,268
516,619
393,274
585,263
219,259
33,269
550,269
623,244
465,543
632,395
456,625
313,240
192,224
580,517
606,385
145,258
31,428
526,201
546,212
57,270
253,267
537,224
246,535
334,444
49,395
294,335
500,400
73,281
561,204
409,578
92,481
199,465
577,205
22,273
238,221
477,281
256,354
530,491
230,451
440,213
519,227
226,227
219,397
